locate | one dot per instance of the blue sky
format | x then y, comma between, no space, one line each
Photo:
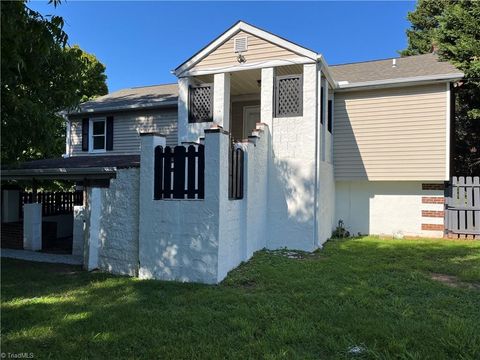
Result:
140,42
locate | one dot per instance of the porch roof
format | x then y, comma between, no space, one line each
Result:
72,168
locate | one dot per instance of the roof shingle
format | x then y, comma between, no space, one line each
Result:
406,67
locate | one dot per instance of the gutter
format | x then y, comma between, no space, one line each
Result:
340,85
170,103
71,173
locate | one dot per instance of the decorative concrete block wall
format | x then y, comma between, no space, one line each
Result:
202,240
119,223
292,167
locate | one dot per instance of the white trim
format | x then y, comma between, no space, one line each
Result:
91,136
447,145
242,26
245,110
413,79
326,71
68,139
248,66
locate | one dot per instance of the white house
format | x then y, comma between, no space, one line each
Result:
367,143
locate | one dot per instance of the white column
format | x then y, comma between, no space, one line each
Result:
221,100
146,257
11,206
32,226
266,102
183,85
148,143
78,230
94,230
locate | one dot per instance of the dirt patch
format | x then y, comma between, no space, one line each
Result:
453,281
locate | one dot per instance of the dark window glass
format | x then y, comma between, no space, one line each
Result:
98,142
98,127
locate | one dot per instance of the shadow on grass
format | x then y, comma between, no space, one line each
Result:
365,291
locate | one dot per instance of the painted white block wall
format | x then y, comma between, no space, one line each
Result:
32,226
385,207
202,240
118,252
291,167
179,238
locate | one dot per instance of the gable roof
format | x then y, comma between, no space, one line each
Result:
132,98
243,26
414,68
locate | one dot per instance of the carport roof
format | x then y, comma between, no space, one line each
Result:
77,167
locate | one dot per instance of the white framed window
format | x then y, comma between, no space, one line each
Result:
98,135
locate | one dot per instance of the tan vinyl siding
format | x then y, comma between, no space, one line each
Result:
126,129
258,50
391,134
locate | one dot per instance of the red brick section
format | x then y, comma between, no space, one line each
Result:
432,213
433,186
433,200
437,227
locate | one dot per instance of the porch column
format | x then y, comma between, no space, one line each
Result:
183,85
266,102
32,226
94,228
221,100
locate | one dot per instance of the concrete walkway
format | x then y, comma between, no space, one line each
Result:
41,257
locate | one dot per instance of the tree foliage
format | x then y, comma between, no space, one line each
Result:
452,29
40,77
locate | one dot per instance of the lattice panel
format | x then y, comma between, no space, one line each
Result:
289,96
201,103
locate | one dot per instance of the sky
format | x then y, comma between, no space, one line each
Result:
141,42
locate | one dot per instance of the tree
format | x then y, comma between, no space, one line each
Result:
452,29
40,77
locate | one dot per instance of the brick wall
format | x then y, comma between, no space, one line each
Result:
12,235
433,213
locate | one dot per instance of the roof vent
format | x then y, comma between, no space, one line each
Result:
240,44
394,63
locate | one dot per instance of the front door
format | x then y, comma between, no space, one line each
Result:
251,116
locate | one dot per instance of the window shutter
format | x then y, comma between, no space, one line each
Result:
85,135
330,116
109,140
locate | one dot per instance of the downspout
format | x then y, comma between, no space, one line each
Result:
317,155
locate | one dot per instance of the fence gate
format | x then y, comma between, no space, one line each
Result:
462,207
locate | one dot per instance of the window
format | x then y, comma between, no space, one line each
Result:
289,96
200,103
98,131
330,116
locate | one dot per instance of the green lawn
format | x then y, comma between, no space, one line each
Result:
405,299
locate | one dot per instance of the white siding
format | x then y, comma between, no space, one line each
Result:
126,129
391,134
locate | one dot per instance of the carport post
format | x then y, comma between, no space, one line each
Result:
32,226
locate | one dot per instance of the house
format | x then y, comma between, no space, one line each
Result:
260,144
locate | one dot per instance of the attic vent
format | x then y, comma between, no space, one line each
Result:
240,44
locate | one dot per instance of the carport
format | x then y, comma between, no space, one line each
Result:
25,221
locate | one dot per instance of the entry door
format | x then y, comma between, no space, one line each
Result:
251,116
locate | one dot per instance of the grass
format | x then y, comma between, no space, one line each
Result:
386,297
